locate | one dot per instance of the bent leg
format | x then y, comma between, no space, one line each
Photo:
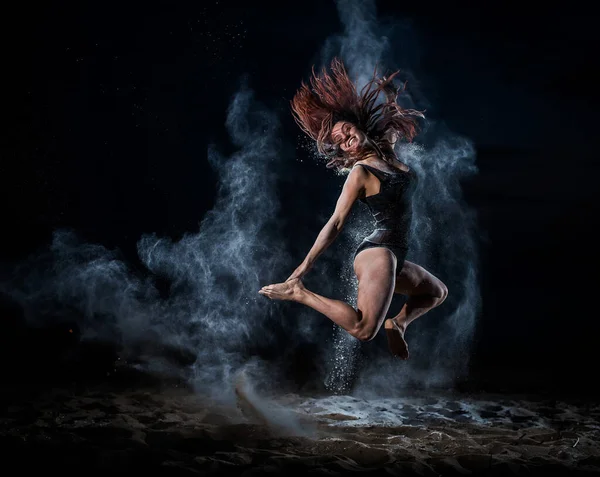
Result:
376,272
375,269
425,291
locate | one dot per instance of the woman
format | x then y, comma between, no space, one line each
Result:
357,134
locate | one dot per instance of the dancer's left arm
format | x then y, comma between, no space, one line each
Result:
354,187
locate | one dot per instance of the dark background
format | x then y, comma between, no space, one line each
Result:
108,111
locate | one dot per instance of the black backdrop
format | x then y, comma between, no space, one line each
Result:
109,109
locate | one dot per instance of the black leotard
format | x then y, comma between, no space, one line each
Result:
392,210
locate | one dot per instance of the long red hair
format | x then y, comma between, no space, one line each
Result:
333,97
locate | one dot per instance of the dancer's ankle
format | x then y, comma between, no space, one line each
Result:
400,323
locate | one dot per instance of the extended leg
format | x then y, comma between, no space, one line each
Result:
376,271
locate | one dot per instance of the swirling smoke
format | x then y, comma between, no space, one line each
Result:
203,328
212,312
443,231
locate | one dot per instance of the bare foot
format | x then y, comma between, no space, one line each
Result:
289,290
395,337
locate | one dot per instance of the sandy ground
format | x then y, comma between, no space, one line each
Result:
170,431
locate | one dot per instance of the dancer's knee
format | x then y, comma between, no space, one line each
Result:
365,332
440,293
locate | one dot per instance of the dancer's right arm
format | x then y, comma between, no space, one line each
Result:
354,188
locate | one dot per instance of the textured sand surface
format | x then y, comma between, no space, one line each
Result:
173,432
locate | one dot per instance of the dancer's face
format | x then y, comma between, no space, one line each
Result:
348,137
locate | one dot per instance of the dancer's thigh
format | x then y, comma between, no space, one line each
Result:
376,272
413,279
